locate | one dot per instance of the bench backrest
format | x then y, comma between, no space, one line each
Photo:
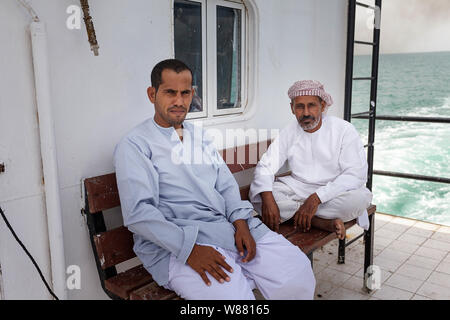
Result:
115,246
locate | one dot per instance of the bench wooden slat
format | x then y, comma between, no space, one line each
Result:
152,292
371,209
251,154
315,238
310,241
287,229
102,192
244,157
114,246
126,282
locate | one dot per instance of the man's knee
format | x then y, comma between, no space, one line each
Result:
281,192
297,282
347,206
356,200
300,285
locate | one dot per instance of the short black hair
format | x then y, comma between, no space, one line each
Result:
171,64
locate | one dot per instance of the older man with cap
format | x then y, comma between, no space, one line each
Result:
326,187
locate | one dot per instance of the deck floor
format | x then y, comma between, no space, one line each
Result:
413,257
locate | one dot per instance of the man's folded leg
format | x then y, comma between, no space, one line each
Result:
286,199
188,284
348,206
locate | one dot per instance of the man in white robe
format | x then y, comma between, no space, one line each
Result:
326,187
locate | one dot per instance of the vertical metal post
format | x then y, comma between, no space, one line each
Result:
349,62
310,257
348,87
373,95
341,251
369,234
368,247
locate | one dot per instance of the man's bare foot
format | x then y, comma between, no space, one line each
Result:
340,228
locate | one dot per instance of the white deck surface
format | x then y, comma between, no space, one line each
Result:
412,255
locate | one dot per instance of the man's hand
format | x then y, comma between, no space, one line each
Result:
270,211
305,213
205,258
244,239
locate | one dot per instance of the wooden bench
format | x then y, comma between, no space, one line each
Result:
115,246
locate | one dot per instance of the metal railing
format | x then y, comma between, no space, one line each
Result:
366,115
372,117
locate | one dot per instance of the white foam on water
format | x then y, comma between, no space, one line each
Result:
432,207
418,148
442,110
446,103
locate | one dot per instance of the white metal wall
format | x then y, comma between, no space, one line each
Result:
1,284
96,100
21,192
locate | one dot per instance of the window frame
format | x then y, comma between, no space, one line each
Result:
209,59
204,113
213,58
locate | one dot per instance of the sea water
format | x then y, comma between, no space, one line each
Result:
408,85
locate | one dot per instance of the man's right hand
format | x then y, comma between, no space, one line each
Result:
206,259
270,211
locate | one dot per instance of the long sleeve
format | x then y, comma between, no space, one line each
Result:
226,185
137,181
274,158
353,168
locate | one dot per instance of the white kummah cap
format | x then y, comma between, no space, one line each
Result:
309,88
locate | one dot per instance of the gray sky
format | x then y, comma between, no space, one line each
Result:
408,26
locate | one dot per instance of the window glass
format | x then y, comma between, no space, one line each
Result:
188,44
228,58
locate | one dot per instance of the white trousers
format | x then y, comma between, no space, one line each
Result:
348,206
280,270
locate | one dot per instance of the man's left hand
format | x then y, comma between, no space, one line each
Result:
244,239
305,213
